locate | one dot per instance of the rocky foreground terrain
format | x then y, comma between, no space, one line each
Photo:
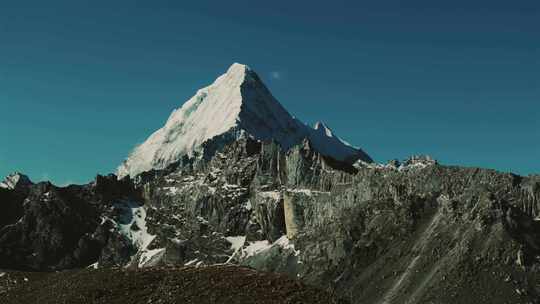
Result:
206,285
410,232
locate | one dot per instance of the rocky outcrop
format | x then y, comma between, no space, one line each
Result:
13,191
416,236
294,207
58,228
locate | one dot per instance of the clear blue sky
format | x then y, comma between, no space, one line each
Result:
82,82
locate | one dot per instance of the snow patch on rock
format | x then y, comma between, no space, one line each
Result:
132,224
237,242
415,162
243,251
13,180
256,247
285,243
275,195
151,258
307,192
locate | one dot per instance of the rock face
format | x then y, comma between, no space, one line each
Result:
13,190
58,228
442,234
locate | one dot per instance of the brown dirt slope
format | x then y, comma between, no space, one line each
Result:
213,284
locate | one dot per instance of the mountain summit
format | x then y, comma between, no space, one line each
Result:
237,104
15,180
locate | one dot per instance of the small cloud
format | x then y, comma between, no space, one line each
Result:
275,75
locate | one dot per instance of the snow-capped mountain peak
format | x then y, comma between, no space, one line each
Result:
15,179
321,127
236,104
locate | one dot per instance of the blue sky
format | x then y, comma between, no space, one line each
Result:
82,82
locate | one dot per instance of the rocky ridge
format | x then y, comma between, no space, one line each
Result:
412,233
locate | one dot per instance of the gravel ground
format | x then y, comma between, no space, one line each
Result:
213,284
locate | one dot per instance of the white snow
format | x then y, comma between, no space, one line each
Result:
362,164
11,181
141,238
307,192
325,142
134,214
285,243
237,104
321,127
202,220
411,164
256,247
2,274
192,262
172,190
275,195
212,111
237,242
150,258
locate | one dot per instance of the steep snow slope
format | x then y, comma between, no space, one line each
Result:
326,143
236,104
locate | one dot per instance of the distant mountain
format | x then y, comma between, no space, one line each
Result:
15,180
237,104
